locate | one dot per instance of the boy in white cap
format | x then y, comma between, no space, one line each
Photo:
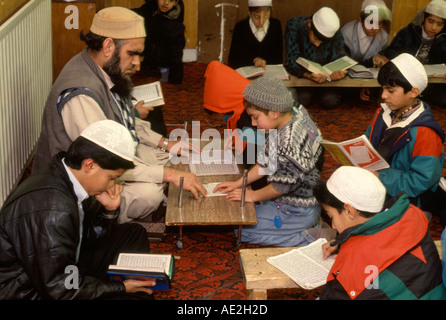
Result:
384,249
405,133
285,207
257,40
64,218
316,38
365,38
425,39
96,85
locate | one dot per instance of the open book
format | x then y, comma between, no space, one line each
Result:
210,188
357,152
435,70
150,93
343,63
160,267
213,162
360,72
273,70
305,265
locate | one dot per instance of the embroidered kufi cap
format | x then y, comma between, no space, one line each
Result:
412,69
111,136
357,187
383,12
118,23
260,3
269,93
437,7
326,22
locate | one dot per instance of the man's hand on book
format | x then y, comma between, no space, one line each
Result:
133,286
143,111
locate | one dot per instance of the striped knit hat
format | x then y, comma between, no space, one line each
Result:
269,93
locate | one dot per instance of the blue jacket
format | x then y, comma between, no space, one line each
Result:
416,156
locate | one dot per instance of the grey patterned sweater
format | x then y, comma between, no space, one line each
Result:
291,156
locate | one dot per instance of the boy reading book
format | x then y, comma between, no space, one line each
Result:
285,207
58,228
257,40
384,250
316,38
405,133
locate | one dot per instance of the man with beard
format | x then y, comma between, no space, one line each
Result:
96,85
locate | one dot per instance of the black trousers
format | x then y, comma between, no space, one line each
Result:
97,255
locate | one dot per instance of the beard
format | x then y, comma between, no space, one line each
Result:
123,84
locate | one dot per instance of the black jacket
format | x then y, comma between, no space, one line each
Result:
409,40
165,39
39,235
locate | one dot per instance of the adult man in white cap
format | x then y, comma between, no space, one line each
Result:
257,40
96,85
385,248
57,229
425,39
316,38
406,134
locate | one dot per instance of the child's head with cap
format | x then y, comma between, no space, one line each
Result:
403,79
268,94
434,18
351,196
260,12
323,25
107,142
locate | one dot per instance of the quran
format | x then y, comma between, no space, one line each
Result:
305,265
159,267
150,93
360,72
212,162
273,70
343,63
210,188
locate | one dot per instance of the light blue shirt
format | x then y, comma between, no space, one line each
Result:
81,195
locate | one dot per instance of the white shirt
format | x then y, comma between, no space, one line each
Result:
259,33
81,195
364,40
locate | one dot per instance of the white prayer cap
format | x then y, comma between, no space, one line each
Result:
412,69
437,7
358,187
326,22
111,136
118,23
260,3
383,11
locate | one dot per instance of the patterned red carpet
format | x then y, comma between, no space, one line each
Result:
208,266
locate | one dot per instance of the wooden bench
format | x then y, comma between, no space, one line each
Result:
259,275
